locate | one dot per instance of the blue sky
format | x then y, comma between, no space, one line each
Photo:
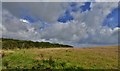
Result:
112,19
73,8
74,23
109,20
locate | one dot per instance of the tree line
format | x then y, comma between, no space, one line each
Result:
14,43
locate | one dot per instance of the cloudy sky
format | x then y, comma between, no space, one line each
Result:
80,24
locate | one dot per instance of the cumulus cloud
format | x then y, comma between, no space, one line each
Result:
42,10
84,30
14,28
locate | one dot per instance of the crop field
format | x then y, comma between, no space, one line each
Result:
61,58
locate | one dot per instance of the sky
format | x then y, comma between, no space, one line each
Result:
80,24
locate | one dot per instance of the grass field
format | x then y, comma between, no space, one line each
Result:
62,58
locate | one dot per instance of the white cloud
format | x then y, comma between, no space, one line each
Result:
24,21
14,28
42,10
85,29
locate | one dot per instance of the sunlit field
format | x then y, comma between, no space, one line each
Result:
61,58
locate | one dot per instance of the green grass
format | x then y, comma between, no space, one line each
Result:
62,58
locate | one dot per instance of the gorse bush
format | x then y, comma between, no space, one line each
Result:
53,65
12,44
49,64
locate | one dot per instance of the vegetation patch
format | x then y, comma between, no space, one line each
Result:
64,58
20,44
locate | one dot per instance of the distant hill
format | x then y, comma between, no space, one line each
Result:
14,43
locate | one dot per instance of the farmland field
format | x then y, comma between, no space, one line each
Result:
61,58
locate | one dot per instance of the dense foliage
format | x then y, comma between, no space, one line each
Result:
13,43
43,65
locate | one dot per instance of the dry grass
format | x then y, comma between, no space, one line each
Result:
97,57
